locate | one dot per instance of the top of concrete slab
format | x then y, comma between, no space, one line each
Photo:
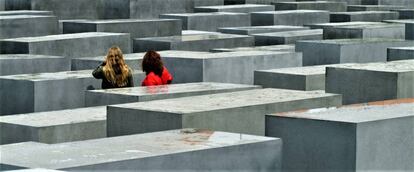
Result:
234,6
393,66
51,76
400,21
356,41
54,118
355,23
34,170
111,21
263,27
363,12
197,32
307,70
310,2
113,149
204,14
25,12
13,17
232,54
372,26
403,48
65,37
291,11
27,56
285,47
195,37
357,113
224,100
292,33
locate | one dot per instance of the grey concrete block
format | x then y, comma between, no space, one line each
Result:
14,26
289,37
54,126
400,53
404,21
312,5
359,83
135,27
373,16
132,60
240,112
392,31
240,8
48,91
26,12
347,50
259,29
210,21
12,64
409,31
329,28
186,150
67,45
231,2
406,3
405,13
228,67
289,17
2,5
17,4
289,47
199,42
362,138
373,7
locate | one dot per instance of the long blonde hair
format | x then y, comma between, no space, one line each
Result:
118,76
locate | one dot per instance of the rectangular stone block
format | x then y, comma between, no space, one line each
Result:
405,13
240,112
2,5
54,126
288,37
13,26
231,2
26,12
259,29
404,21
409,31
406,3
373,137
67,45
374,81
400,53
175,150
312,5
392,31
289,17
198,42
210,21
329,28
16,4
228,67
240,8
347,50
12,64
48,91
373,7
135,27
141,94
373,16
289,47
132,60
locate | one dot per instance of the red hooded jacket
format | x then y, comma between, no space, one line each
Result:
153,79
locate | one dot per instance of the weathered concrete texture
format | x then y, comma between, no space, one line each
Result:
347,50
54,126
240,8
359,83
210,21
405,3
67,45
289,37
14,26
374,16
231,2
132,60
404,21
141,94
377,137
381,30
35,170
373,7
289,17
198,42
26,12
48,91
17,4
312,5
330,32
289,47
197,32
185,150
405,13
2,5
12,64
409,31
241,112
135,27
260,29
400,53
228,67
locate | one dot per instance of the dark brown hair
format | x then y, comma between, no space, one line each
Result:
152,63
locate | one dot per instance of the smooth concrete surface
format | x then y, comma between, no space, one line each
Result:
26,12
48,91
260,29
288,47
241,112
404,21
405,3
141,94
400,53
312,5
239,8
373,137
409,31
175,150
54,126
405,13
289,17
359,83
347,50
373,16
68,45
133,61
13,26
373,7
288,37
12,64
380,30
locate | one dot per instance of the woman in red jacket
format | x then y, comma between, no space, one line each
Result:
156,73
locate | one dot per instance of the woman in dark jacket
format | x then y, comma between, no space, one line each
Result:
113,71
157,73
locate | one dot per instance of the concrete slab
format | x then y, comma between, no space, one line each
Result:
197,32
26,12
373,137
288,37
12,64
289,17
288,47
373,16
13,26
190,149
373,7
210,21
54,126
406,3
381,30
48,91
312,5
67,45
409,31
404,21
133,61
239,8
347,50
405,13
400,53
374,81
231,2
260,29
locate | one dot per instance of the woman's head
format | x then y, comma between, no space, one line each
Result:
152,63
115,70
